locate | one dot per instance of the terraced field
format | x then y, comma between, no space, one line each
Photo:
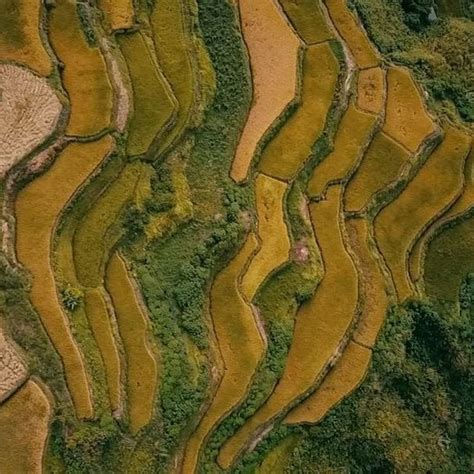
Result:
236,237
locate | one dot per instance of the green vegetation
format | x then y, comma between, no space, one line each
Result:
438,54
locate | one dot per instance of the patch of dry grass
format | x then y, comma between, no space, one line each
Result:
406,120
380,166
321,324
24,424
273,50
339,383
371,90
119,14
84,73
272,232
37,208
353,132
288,151
142,372
240,344
436,185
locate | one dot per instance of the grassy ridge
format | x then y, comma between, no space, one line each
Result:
84,72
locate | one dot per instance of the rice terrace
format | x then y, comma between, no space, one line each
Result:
237,236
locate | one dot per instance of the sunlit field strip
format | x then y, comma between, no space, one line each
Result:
321,324
353,132
241,347
291,147
119,14
84,74
462,204
272,232
353,34
406,119
339,383
20,39
371,90
273,53
435,186
308,20
38,207
133,327
154,105
380,166
24,424
174,45
99,320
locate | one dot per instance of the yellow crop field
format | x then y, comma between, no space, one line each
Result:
20,38
99,320
272,232
142,372
240,344
460,206
406,120
353,132
277,460
38,207
308,20
96,234
352,33
371,90
373,299
119,14
24,424
437,184
84,74
320,324
154,103
288,151
380,166
173,43
341,381
273,51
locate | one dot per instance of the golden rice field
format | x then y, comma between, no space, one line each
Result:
349,28
380,166
173,42
430,192
346,375
371,90
461,205
154,104
308,19
24,426
274,243
320,326
133,325
20,35
240,345
353,132
84,72
407,119
119,14
291,147
235,236
273,50
38,207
